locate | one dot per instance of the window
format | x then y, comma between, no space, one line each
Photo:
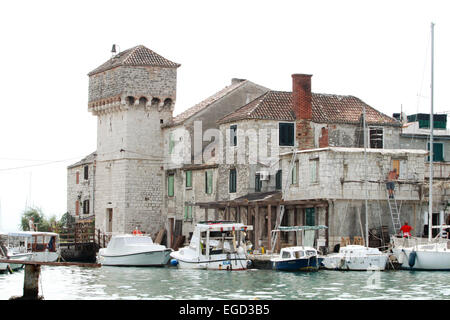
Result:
278,183
86,206
310,217
188,213
258,182
233,135
286,134
208,182
86,172
171,143
376,137
170,185
438,152
313,170
77,177
188,179
294,176
232,179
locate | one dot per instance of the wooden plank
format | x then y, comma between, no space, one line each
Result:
56,264
160,236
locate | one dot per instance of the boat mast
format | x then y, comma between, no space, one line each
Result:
365,177
430,197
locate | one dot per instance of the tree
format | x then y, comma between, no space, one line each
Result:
40,221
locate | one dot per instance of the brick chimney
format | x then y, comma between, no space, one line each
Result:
301,96
302,107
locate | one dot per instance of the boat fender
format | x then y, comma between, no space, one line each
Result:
174,262
412,259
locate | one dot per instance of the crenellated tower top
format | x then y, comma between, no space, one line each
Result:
135,77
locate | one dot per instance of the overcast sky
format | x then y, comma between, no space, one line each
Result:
378,51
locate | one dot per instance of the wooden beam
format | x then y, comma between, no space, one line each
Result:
206,214
256,227
57,264
269,226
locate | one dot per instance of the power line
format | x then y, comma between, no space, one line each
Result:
37,165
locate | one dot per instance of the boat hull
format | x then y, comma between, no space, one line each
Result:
45,256
424,260
141,259
232,262
15,266
355,263
302,264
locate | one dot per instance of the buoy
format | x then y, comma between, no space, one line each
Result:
412,259
174,262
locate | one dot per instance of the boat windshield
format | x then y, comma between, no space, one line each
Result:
286,255
139,240
299,254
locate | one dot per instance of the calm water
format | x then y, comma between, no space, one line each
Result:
70,283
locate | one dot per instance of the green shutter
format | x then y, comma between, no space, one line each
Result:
294,173
208,182
171,143
232,181
278,183
438,152
310,218
187,213
313,171
188,179
170,185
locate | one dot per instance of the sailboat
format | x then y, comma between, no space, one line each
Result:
358,257
421,253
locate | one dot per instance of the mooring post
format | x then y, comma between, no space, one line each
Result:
31,281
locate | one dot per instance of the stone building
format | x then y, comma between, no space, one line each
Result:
225,157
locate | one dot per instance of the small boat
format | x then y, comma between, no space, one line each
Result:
133,250
14,256
421,254
44,246
6,253
296,259
214,246
356,258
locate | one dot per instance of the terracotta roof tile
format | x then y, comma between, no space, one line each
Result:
326,108
136,56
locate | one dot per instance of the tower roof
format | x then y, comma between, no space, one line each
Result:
136,56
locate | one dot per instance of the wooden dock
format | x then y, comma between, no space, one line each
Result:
33,271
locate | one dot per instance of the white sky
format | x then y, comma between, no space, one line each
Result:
378,51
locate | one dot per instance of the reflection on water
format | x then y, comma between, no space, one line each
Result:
74,283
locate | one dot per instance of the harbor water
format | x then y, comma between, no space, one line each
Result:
169,283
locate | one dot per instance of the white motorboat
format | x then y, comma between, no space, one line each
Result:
6,253
43,245
356,257
133,250
214,246
14,256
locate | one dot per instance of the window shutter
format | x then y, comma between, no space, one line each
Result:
310,217
188,178
170,186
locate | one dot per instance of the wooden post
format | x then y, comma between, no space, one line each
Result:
31,281
206,214
269,226
278,244
256,227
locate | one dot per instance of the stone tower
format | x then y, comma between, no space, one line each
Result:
133,95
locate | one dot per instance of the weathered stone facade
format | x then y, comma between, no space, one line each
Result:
139,174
